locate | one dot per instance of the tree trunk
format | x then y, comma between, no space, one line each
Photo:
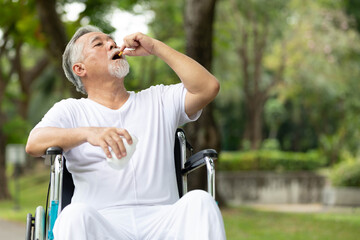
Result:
254,121
52,27
199,17
202,134
4,191
55,31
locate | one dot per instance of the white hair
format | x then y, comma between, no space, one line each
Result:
73,54
119,68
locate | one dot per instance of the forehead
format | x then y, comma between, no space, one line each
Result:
92,37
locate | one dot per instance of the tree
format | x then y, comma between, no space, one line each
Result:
256,25
322,51
17,74
55,30
199,20
24,36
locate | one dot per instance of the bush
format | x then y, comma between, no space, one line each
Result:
346,174
270,144
270,160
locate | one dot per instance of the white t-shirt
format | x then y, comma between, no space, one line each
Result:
152,115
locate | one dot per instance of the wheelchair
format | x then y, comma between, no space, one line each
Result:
61,186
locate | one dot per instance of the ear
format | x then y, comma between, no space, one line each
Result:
79,69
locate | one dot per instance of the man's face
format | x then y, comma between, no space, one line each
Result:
100,56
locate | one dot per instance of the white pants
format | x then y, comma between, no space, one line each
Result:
194,216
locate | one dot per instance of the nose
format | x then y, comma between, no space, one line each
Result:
111,45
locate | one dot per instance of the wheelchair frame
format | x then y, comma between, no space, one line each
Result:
41,226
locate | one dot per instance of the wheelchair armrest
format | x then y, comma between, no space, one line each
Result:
50,153
197,160
54,151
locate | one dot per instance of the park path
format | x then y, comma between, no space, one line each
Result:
11,230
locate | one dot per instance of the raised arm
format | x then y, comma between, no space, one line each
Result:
202,86
42,138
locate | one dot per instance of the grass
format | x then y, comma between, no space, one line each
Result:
32,193
251,224
243,223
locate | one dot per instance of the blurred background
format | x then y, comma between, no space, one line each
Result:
286,121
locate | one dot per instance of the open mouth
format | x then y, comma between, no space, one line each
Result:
116,56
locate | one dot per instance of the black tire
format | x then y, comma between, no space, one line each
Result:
29,226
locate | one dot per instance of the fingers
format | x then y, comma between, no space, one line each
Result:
116,144
132,40
125,134
131,43
134,52
115,141
141,44
112,138
106,150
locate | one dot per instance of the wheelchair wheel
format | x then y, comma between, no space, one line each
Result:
29,226
39,229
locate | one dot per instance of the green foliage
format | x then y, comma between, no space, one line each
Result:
21,21
166,26
274,115
270,160
270,144
316,106
320,35
168,21
17,130
320,48
352,8
346,174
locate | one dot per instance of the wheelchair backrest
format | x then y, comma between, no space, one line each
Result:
67,187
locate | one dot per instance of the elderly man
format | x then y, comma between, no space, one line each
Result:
139,201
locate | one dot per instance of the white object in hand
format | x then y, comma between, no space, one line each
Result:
117,163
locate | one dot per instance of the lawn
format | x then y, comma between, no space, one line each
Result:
250,224
33,190
240,222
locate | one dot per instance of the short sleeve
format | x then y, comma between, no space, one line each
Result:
174,100
57,116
